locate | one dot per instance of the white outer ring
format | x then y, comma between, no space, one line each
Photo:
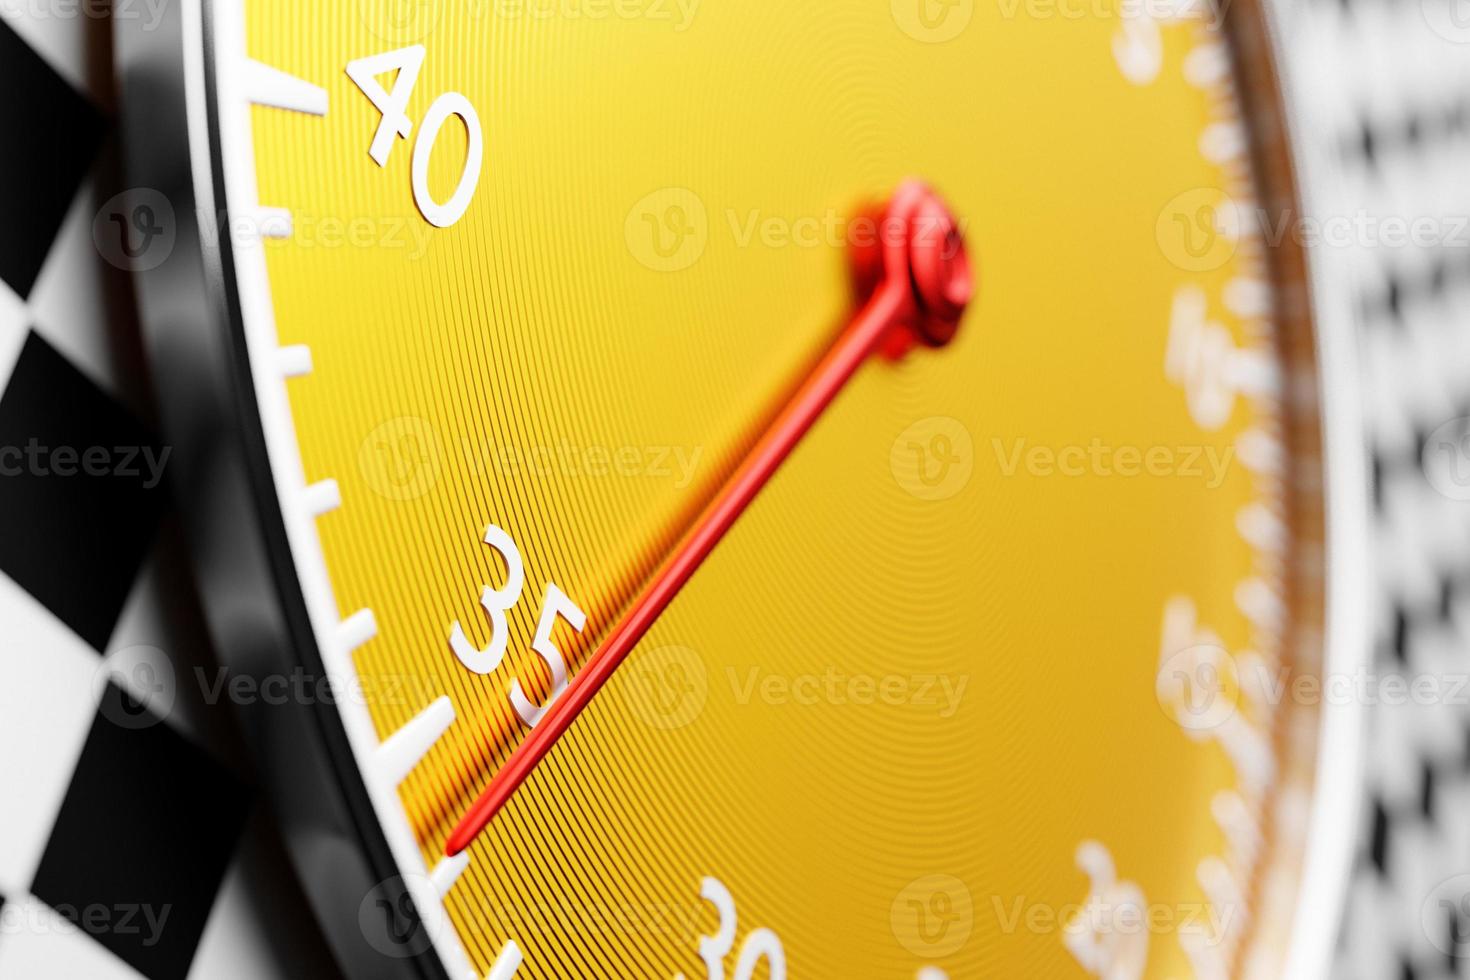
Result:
257,315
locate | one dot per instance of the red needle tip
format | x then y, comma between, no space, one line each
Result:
916,282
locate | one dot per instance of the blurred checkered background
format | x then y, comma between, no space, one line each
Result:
131,843
1387,103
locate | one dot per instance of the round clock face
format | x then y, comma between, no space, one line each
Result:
993,676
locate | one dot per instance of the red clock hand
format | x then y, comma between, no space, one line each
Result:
918,282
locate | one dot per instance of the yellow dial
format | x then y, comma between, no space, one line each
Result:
986,680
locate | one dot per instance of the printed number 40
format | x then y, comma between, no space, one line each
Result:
393,106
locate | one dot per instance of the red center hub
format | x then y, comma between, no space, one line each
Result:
920,252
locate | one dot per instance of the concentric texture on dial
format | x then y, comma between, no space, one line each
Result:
998,636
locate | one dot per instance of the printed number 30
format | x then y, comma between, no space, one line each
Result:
760,944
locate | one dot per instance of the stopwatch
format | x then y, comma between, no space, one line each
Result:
838,489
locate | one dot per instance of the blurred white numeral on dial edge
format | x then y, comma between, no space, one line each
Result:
761,944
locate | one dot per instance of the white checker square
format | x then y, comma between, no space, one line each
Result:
47,704
68,303
142,654
14,325
236,944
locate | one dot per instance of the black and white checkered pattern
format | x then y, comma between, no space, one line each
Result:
1392,103
133,846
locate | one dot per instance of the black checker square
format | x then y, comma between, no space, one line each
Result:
74,533
146,832
52,135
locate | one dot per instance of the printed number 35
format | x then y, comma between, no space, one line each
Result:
496,602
